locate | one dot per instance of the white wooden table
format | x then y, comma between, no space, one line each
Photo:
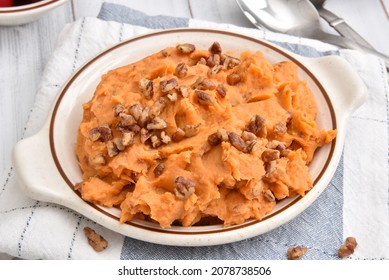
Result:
24,50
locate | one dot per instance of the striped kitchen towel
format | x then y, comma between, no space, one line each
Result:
354,204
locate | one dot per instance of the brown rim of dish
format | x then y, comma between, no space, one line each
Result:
27,7
194,30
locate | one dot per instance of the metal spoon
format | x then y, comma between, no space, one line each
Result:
339,24
299,18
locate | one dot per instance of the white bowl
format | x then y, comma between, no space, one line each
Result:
27,13
48,168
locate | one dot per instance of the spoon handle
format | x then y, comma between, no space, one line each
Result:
346,43
342,27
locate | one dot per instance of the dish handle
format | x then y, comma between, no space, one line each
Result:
343,85
37,174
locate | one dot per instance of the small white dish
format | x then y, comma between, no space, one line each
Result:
48,169
18,15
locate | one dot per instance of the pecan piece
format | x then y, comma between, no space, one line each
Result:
98,159
122,128
203,84
147,88
270,167
204,98
135,111
191,130
214,139
270,155
178,135
112,149
172,96
295,253
155,141
248,136
158,170
118,143
94,134
145,135
205,148
215,48
134,128
281,146
165,138
144,117
186,48
181,70
222,134
158,107
102,133
126,119
202,61
183,187
95,240
105,132
237,142
184,91
214,70
253,146
257,126
347,249
168,85
269,195
156,123
213,60
221,90
128,138
233,79
230,62
117,109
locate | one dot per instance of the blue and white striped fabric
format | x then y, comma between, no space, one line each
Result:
354,204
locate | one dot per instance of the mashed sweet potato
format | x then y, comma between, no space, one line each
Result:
186,134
